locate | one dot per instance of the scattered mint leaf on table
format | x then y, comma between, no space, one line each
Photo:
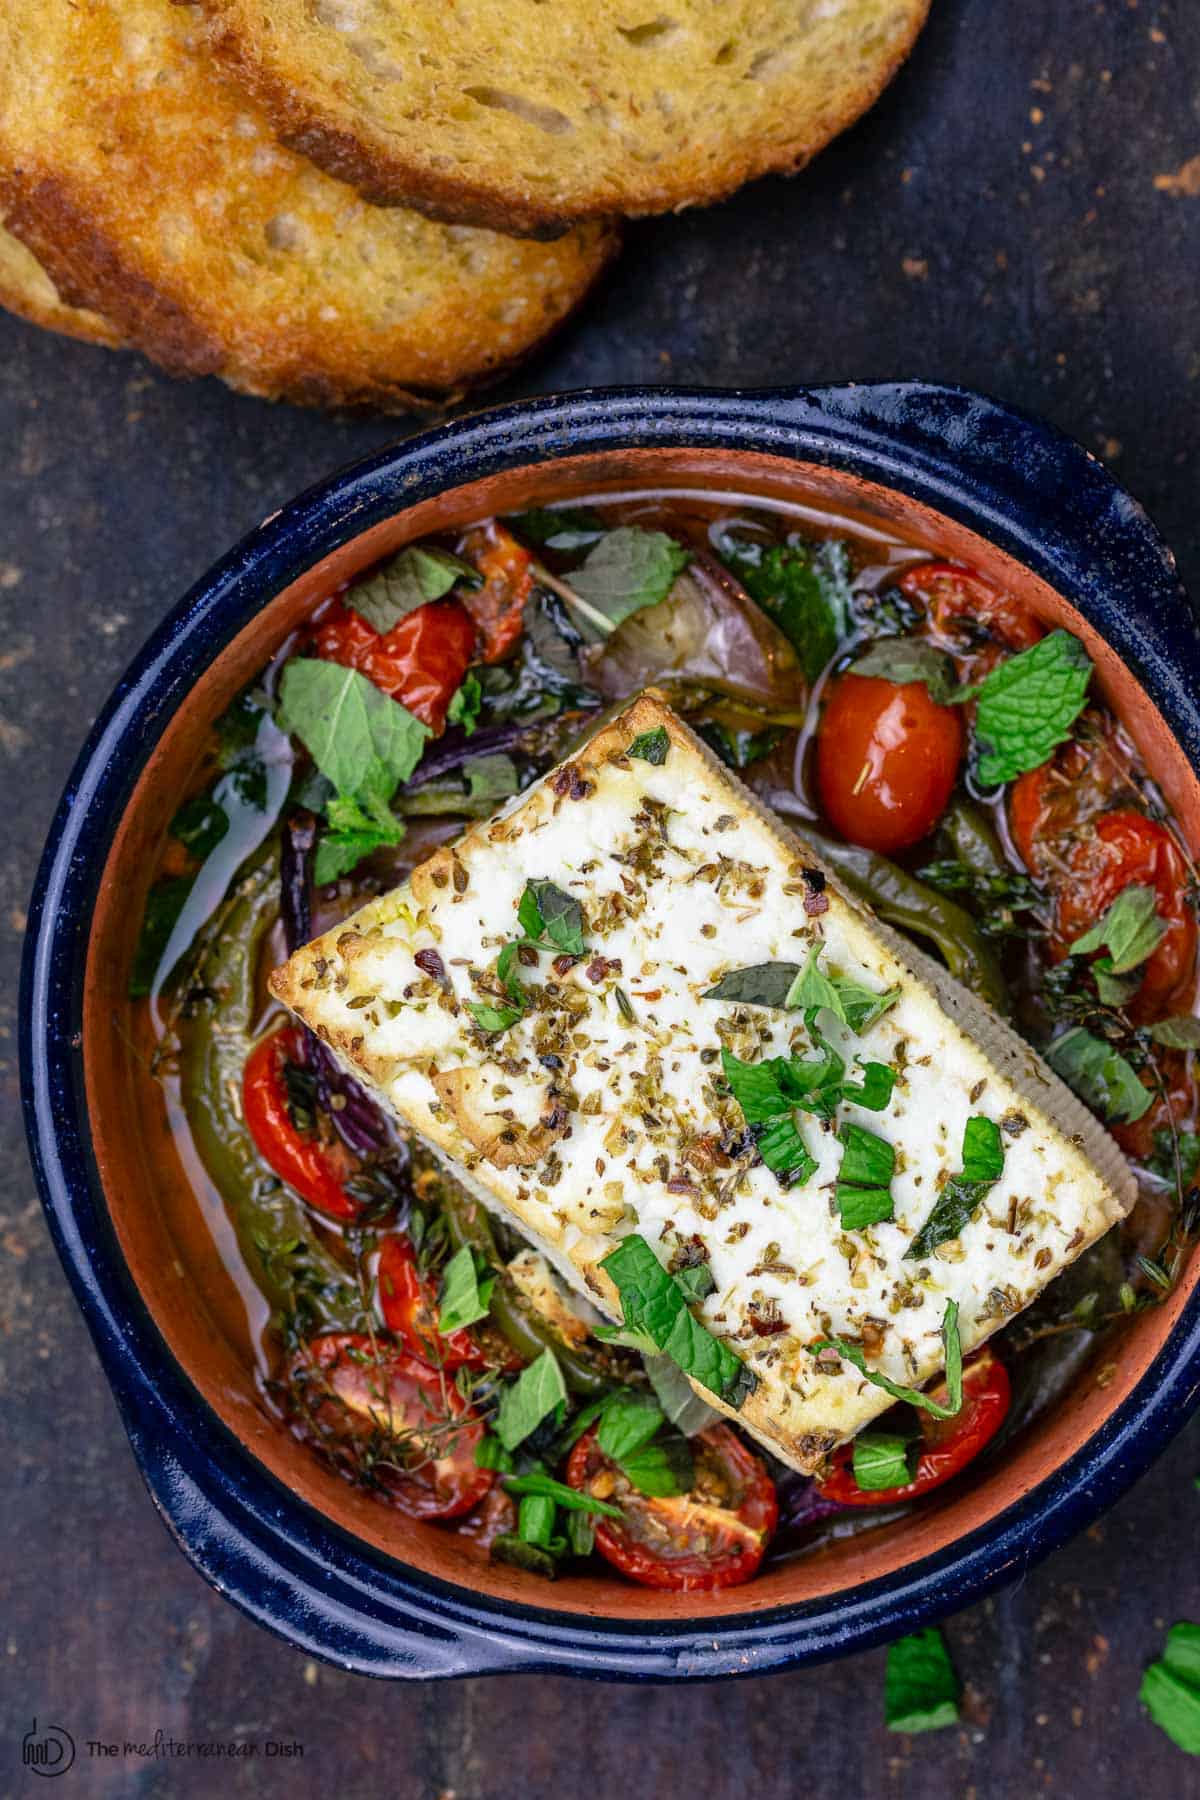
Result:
1027,706
1170,1688
963,1194
1103,1078
921,1690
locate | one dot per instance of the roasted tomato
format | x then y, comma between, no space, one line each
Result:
498,607
409,1311
383,1414
961,607
714,1537
420,662
313,1168
887,760
1125,849
947,1445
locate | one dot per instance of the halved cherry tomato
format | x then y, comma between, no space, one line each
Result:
363,1400
498,607
947,1445
410,1312
420,662
714,1537
887,760
1125,849
315,1170
956,596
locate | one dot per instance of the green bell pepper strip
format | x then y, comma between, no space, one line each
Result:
298,1274
913,907
467,1223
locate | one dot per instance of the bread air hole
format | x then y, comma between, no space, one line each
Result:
546,118
650,32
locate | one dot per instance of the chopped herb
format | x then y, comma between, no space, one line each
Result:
787,985
920,1688
650,746
762,984
875,1089
1179,1033
466,1291
1027,706
628,569
883,1459
904,660
416,574
696,1281
1166,1142
492,1017
353,831
466,703
538,1390
784,1151
1130,930
767,1090
654,1305
546,911
963,1194
952,1348
1170,1688
863,1192
1100,1075
804,588
543,1487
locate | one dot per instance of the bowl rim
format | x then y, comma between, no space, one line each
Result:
1003,473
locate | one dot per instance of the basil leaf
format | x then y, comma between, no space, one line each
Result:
1130,930
1181,1032
697,1282
862,1006
678,1398
762,984
653,1304
804,588
416,574
465,1296
863,1192
626,1425
662,1468
875,1089
352,833
905,660
920,1688
466,703
509,1548
952,1347
545,910
1100,1075
962,1195
363,742
650,746
784,1150
536,1392
812,989
882,1459
630,568
1170,1688
544,1487
1027,706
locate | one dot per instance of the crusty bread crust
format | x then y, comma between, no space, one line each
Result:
27,290
154,194
528,120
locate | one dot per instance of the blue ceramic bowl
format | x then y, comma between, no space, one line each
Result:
981,468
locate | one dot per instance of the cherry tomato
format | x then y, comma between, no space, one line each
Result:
947,1445
420,662
315,1170
887,760
498,607
371,1406
409,1311
1126,849
1083,779
714,1537
956,596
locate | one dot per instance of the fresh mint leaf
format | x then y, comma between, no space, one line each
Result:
1113,990
626,1425
1170,1688
558,527
678,1398
650,746
952,1349
544,1487
548,911
875,1089
904,660
416,574
1103,1078
1027,706
762,984
491,778
788,985
764,1090
784,1151
863,1191
920,1688
1181,1032
883,1459
1130,930
812,988
466,1291
538,1390
654,1305
697,1282
628,569
962,1196
466,703
365,743
804,588
492,1016
661,1468
353,832
862,1006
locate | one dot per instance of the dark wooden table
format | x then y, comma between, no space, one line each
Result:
1013,216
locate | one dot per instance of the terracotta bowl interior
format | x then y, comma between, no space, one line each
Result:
168,1225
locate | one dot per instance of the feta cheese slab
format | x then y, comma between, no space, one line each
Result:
602,1108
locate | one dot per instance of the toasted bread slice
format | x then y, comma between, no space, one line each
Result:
526,116
153,192
27,290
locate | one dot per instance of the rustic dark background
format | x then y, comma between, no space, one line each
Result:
1022,214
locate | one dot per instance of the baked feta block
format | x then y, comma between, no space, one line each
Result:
585,1092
